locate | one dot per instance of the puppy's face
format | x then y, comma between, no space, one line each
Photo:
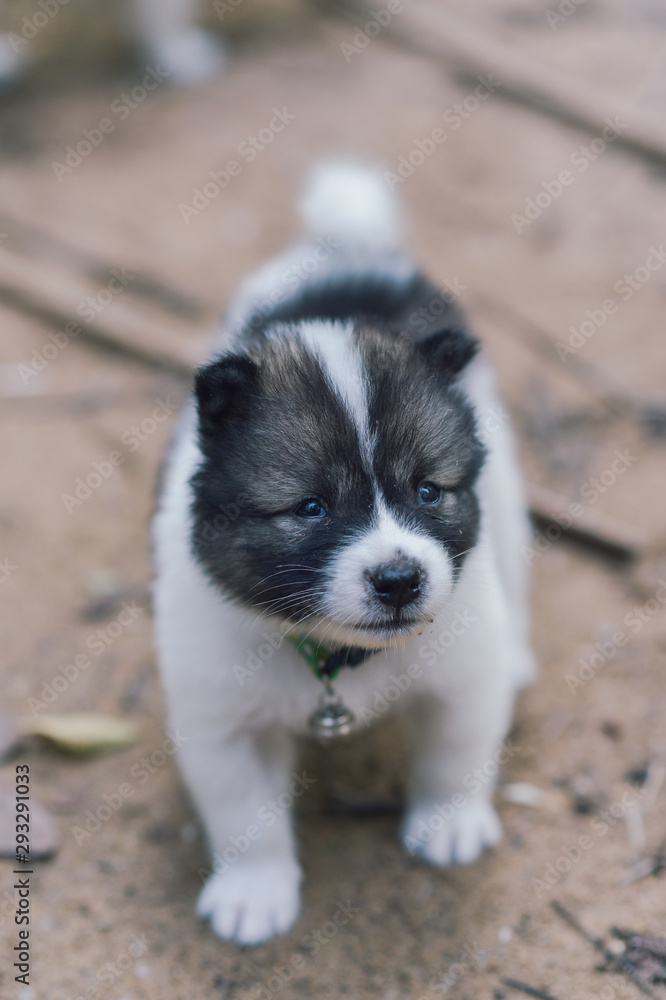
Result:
337,484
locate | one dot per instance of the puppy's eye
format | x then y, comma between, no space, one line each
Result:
429,493
311,507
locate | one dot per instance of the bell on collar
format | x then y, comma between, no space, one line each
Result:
331,719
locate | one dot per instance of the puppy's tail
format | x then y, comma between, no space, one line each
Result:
352,205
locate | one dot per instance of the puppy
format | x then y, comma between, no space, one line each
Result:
343,476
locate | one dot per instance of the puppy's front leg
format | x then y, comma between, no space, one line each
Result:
242,787
457,752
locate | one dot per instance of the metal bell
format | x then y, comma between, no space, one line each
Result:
331,719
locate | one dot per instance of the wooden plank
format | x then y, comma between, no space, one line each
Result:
594,530
461,46
58,294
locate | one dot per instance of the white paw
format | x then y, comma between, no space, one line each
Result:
252,901
457,839
190,58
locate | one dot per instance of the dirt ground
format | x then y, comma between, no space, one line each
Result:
585,735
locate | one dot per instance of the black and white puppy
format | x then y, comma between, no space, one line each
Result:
344,472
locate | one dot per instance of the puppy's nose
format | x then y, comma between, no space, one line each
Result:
397,583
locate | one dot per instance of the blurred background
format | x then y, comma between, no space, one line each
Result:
145,168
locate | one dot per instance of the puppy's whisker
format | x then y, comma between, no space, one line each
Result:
289,598
288,569
329,627
280,593
279,607
279,585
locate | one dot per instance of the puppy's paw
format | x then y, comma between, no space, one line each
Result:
252,901
441,840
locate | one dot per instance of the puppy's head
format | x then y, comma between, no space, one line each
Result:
336,489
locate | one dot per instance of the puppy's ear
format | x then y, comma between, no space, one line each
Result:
449,350
219,388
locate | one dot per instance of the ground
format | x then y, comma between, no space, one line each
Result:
124,891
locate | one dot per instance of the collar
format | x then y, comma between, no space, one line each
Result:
323,663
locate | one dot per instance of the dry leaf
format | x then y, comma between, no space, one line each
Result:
83,732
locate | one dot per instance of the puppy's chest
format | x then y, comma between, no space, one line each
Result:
287,691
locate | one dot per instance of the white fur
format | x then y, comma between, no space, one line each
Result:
352,204
344,205
347,599
239,711
333,345
465,698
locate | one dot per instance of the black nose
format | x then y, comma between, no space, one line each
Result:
397,583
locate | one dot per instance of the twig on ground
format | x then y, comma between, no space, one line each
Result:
532,991
59,288
600,532
35,242
653,864
617,961
645,952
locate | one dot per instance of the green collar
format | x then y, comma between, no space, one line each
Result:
324,664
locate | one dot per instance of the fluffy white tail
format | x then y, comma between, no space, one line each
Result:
351,204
